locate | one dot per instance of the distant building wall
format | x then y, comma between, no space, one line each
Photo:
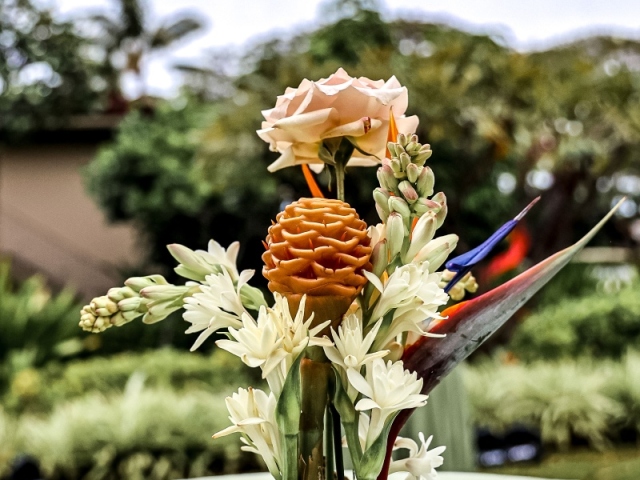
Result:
48,222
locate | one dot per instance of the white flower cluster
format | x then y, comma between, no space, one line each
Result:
370,386
421,463
253,414
363,350
274,341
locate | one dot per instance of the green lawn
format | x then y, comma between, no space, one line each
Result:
618,464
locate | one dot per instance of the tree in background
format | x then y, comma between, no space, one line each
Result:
504,126
45,72
150,175
128,37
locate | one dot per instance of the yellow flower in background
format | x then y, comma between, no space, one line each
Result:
338,106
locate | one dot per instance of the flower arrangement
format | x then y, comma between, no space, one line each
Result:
355,337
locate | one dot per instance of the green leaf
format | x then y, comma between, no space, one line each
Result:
343,403
290,401
349,417
468,324
373,457
288,420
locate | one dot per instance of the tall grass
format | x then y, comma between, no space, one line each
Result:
568,400
141,433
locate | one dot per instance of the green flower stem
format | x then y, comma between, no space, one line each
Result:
337,441
315,396
340,181
341,158
290,448
353,442
328,444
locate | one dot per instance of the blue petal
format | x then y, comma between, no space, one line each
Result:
462,264
472,257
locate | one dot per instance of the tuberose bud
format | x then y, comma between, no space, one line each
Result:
386,178
379,257
436,251
422,234
381,197
413,172
395,233
397,204
441,198
424,205
422,155
391,146
405,160
425,182
408,192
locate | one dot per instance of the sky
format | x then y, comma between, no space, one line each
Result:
524,24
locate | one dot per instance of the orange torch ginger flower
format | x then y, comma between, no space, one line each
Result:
318,247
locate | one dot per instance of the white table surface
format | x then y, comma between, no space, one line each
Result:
395,476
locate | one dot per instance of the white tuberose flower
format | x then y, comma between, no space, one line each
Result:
217,306
275,340
413,293
196,265
389,388
258,344
351,349
377,233
252,413
421,463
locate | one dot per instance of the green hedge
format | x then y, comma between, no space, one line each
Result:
39,390
35,325
141,433
128,416
7,446
600,325
593,401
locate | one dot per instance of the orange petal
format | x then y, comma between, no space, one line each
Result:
311,182
392,135
413,224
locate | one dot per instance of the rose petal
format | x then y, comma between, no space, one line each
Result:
354,129
330,108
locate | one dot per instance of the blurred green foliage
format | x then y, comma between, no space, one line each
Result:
125,36
39,390
126,416
504,126
620,464
7,442
599,325
46,70
121,436
584,399
102,422
36,326
150,175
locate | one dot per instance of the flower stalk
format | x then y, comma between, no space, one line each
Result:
339,172
355,336
315,376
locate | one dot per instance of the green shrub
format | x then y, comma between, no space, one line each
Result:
141,433
220,372
596,326
7,442
35,326
623,385
564,400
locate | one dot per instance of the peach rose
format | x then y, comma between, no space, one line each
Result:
337,106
